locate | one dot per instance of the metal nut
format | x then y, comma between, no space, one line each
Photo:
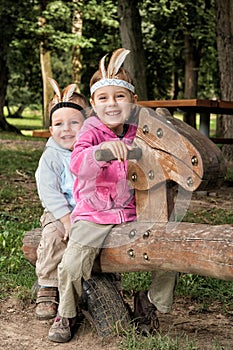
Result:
145,129
132,233
134,177
146,234
151,175
194,160
145,256
131,253
159,133
190,181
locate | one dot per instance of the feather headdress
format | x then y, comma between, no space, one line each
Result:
62,98
109,75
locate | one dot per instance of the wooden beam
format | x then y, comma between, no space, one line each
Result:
184,247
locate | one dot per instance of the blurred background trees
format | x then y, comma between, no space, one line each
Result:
179,49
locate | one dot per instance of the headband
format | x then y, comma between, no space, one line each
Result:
62,105
109,82
109,75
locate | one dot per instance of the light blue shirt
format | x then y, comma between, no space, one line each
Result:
54,180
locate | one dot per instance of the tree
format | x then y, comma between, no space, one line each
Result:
224,9
76,52
131,38
11,15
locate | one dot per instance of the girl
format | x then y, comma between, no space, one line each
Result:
101,190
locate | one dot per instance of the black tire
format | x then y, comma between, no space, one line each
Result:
105,308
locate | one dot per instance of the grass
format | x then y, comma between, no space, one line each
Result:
20,212
134,341
32,120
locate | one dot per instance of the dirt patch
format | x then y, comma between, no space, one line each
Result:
20,330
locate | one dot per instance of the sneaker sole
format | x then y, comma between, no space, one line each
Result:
58,339
44,318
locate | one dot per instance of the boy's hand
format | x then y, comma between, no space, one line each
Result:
67,225
118,148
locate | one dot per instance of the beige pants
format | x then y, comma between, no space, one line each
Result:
50,250
85,242
161,291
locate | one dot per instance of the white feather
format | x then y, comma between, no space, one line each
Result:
116,62
56,88
102,67
68,92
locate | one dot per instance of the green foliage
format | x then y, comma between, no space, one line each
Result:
134,341
31,119
215,216
205,290
135,281
22,53
164,24
20,212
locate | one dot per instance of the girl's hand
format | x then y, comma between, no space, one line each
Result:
67,225
118,148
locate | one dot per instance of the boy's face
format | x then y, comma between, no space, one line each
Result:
113,105
66,122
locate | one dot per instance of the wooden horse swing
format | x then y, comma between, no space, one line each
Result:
176,160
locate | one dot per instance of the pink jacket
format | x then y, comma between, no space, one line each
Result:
101,189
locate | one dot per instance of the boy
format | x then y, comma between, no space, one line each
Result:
54,184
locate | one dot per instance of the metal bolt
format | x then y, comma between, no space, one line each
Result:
145,256
146,234
190,181
194,160
151,175
131,253
159,133
134,177
145,129
132,233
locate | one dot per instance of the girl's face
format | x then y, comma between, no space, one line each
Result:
66,122
113,105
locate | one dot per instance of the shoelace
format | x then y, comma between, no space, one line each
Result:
62,321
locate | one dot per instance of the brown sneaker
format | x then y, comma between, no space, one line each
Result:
62,329
46,303
145,315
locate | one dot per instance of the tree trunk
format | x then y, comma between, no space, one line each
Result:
47,88
46,70
224,10
76,62
131,38
191,76
4,126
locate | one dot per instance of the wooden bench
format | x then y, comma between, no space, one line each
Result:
176,159
203,107
41,133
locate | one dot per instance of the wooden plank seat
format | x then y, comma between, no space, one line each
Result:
176,159
41,133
